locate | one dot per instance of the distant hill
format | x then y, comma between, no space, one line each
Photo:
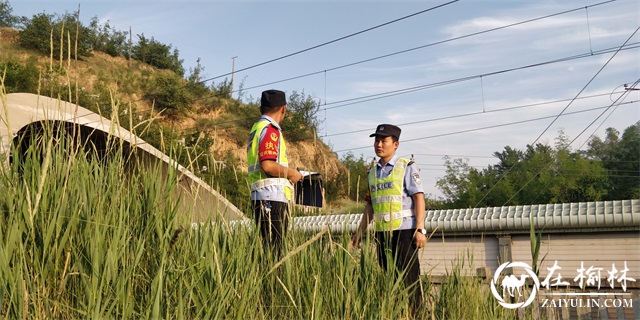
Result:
106,84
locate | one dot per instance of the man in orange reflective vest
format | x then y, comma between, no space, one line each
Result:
270,178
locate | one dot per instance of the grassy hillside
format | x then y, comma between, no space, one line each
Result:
205,127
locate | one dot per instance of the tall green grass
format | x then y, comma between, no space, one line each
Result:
89,237
462,295
103,238
84,238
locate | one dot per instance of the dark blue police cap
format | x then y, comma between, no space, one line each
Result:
273,98
386,130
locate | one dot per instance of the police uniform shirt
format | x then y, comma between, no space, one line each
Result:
412,185
271,193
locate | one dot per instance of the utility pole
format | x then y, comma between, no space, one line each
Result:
197,72
130,47
233,63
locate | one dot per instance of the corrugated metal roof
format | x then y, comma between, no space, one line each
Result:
561,216
580,216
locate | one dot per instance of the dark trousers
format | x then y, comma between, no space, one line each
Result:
272,218
397,249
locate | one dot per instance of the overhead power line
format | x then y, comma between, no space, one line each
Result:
427,45
452,81
490,127
441,83
399,52
546,167
422,121
320,45
472,114
382,95
560,114
621,98
585,86
333,41
445,155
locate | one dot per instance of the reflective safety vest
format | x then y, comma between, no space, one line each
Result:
257,177
386,197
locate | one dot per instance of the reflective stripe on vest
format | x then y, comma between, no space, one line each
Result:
386,197
270,182
257,177
396,215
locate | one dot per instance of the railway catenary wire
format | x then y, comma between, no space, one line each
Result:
452,81
432,120
561,173
562,112
394,53
492,126
332,41
351,64
315,47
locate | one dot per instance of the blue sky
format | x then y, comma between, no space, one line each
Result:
508,60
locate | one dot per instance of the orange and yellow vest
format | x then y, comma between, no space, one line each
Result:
257,177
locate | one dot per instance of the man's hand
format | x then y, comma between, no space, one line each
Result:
294,176
421,239
275,169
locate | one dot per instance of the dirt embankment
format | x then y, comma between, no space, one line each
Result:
126,79
8,36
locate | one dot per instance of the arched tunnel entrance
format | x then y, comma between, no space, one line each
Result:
29,120
95,144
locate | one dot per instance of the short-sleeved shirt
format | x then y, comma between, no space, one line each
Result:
412,185
269,143
268,147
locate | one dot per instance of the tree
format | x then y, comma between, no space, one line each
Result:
36,33
159,55
194,85
6,18
107,39
301,122
42,28
621,157
539,174
456,185
357,174
575,178
507,158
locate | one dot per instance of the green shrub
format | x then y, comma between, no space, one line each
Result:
107,39
20,77
170,95
195,85
222,89
300,122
